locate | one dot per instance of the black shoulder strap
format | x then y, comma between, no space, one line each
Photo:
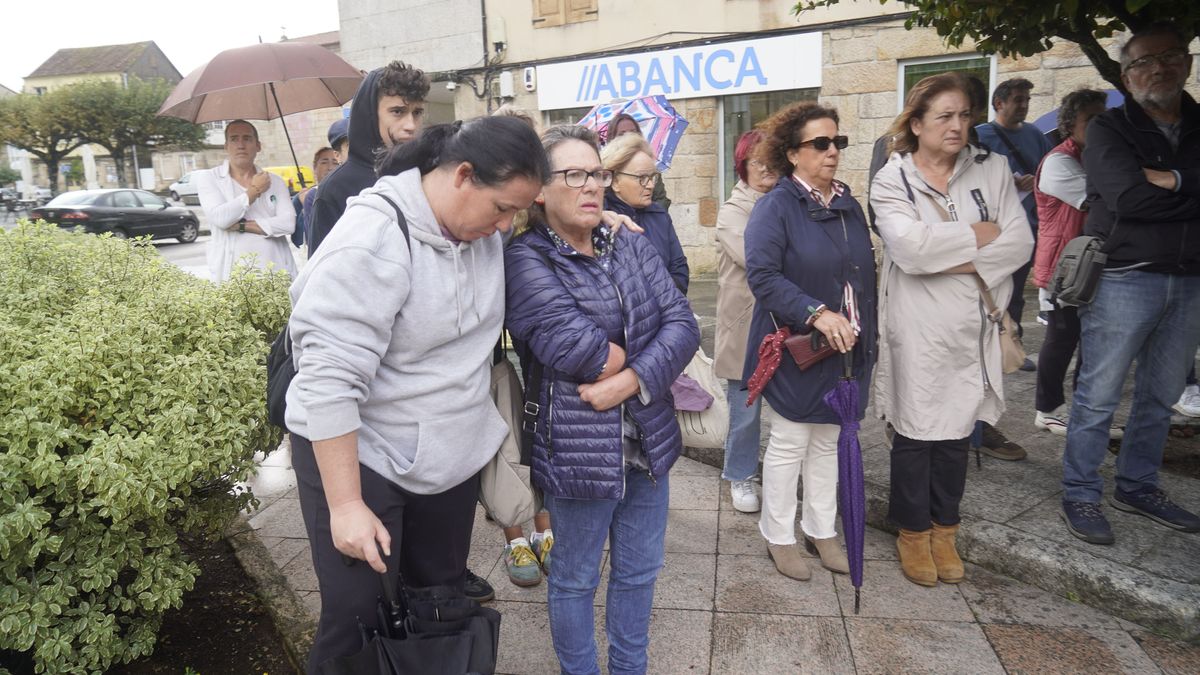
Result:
533,385
1013,149
400,220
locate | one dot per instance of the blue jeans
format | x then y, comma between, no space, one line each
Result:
741,446
635,527
1155,319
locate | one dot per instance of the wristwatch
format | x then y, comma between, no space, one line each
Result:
242,226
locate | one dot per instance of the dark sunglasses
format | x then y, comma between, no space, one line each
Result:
822,143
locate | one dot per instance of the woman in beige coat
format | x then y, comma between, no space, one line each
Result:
735,305
950,221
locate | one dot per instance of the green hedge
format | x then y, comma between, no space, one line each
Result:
131,403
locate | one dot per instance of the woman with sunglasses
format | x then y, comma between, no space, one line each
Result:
953,229
811,267
602,333
631,160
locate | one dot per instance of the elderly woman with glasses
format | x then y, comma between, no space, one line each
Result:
602,332
811,267
631,160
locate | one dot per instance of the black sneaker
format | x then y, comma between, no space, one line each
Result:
996,444
1028,366
477,588
1043,318
1155,505
1086,521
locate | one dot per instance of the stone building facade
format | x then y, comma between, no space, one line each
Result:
856,57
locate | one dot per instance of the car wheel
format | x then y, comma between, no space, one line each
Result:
119,234
191,230
174,196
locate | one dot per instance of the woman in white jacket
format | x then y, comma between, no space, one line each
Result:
951,222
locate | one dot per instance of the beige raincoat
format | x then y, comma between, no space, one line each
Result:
939,364
735,302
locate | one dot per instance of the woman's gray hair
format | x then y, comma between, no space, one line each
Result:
561,133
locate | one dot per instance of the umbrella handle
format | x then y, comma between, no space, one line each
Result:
848,365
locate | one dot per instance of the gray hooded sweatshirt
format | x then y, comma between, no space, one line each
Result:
396,344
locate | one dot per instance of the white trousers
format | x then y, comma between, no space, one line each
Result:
796,448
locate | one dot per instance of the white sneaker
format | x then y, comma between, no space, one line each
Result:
745,499
1189,403
1053,422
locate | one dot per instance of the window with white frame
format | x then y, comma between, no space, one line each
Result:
914,70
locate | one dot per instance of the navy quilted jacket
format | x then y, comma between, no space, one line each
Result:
566,309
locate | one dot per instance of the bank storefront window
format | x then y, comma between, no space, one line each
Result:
741,113
912,72
565,115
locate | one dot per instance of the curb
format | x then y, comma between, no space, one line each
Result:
1169,607
288,612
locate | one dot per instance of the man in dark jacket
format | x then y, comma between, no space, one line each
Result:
387,109
1143,180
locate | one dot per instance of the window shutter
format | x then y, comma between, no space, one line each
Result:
582,10
547,13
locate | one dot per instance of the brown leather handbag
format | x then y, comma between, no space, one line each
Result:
809,350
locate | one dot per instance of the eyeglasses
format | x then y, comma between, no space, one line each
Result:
760,166
643,179
1172,58
577,178
822,143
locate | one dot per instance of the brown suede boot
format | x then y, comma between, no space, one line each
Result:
945,555
788,561
916,561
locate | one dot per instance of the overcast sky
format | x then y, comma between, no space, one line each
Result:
189,33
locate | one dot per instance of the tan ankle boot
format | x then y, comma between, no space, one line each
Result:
788,561
833,558
945,555
916,561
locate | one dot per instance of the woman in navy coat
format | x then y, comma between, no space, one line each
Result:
810,265
609,332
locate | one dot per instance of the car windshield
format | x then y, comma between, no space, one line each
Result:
73,199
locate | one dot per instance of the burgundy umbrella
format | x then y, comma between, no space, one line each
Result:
852,502
262,82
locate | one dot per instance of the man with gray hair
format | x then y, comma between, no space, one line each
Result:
1143,182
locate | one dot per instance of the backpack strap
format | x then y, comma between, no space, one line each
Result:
400,220
1013,149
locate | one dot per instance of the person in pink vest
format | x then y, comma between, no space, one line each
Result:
1061,194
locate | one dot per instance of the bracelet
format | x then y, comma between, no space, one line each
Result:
242,226
816,314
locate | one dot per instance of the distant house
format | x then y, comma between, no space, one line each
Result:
110,62
113,63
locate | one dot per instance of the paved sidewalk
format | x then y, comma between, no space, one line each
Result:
720,607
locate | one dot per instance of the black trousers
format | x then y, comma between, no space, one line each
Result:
928,478
431,536
1062,337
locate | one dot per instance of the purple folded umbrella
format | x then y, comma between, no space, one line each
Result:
852,502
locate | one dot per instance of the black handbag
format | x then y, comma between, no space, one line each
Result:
435,630
281,369
1077,272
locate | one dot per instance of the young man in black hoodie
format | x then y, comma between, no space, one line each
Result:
388,109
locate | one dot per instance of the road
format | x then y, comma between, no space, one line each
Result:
191,257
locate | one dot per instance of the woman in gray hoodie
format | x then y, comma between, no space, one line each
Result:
390,411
